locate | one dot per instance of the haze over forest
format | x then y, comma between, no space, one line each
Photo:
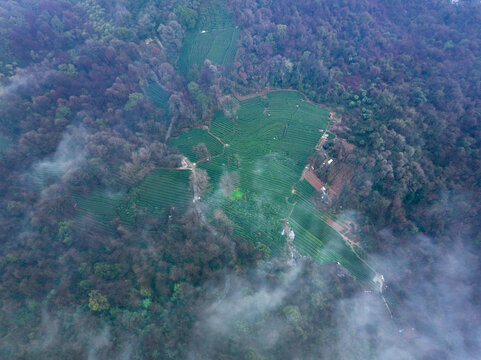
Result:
240,179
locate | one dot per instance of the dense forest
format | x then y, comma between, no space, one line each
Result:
92,91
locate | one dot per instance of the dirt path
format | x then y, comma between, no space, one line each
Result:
169,130
224,145
218,138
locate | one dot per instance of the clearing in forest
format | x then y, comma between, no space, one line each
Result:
214,37
161,193
159,96
255,164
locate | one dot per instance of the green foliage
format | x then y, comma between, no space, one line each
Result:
146,303
85,285
448,45
97,18
178,294
11,258
68,69
281,28
134,99
236,194
292,314
97,301
106,271
64,232
124,33
63,112
199,96
146,292
187,16
265,250
242,326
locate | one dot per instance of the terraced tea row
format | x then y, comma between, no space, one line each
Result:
214,37
159,96
161,191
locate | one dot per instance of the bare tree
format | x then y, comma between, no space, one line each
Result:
223,224
202,152
199,181
230,105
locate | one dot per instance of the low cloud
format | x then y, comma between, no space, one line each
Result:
235,308
25,78
437,315
430,290
68,157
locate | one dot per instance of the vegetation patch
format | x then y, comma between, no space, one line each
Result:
197,145
236,194
163,191
99,208
159,96
214,37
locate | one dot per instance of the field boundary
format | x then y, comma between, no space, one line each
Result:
242,97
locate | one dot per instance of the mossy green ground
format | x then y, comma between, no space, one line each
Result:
255,178
214,37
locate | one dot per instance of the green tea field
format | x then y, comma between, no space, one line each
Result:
163,190
214,37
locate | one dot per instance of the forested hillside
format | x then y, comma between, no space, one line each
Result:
405,77
105,252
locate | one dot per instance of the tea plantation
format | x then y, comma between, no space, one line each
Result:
214,37
255,178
